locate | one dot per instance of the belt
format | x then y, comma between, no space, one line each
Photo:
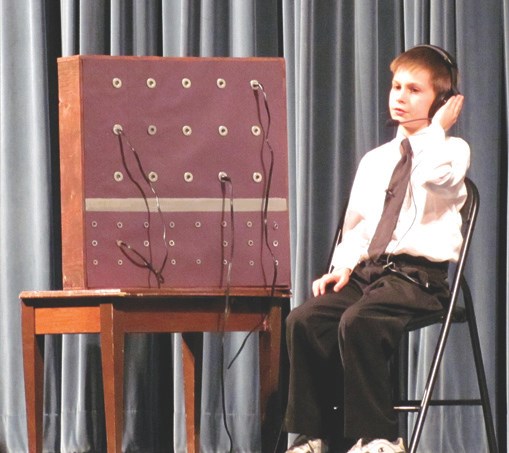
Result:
405,259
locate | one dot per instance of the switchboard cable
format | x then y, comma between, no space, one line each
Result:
225,179
256,85
128,251
266,198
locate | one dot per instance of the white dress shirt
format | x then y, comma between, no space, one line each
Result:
429,223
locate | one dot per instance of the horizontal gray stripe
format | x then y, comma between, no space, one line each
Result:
183,204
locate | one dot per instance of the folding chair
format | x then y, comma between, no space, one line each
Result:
453,314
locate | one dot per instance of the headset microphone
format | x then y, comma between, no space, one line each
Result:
391,123
395,123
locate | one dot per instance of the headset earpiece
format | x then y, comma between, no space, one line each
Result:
440,100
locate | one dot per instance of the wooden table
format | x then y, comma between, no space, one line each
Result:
113,313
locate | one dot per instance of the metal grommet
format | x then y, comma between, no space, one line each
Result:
118,176
256,130
250,242
94,243
224,223
257,177
187,130
197,224
95,262
221,83
254,84
275,226
275,243
117,129
146,243
120,262
251,263
151,83
249,224
198,261
188,176
171,243
152,130
173,262
120,225
225,262
116,82
146,224
225,243
152,176
223,131
186,83
172,224
94,223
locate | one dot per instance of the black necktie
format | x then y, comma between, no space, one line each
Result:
393,202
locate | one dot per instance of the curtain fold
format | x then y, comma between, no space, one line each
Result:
337,56
25,195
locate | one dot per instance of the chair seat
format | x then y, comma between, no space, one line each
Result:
458,316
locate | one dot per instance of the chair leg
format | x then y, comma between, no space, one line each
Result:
430,385
479,368
400,382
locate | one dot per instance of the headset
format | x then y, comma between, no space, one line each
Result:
452,67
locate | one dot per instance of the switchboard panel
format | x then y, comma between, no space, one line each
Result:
174,172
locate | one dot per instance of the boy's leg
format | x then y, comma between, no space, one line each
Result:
369,332
315,367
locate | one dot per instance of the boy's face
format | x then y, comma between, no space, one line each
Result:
410,98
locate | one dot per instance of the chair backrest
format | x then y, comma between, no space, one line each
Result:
469,213
454,313
337,235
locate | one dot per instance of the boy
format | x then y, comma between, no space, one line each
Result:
358,312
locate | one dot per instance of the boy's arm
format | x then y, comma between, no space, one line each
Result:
441,163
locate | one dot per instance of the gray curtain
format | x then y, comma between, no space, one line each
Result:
337,55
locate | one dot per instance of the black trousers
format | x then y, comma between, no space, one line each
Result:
339,345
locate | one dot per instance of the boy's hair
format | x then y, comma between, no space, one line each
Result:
441,65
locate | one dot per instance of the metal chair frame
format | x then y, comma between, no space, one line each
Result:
453,314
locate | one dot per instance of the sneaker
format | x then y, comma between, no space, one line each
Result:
305,444
357,448
384,446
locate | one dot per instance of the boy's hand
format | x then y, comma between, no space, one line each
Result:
339,277
448,114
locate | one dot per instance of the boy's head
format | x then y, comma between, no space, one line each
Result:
441,66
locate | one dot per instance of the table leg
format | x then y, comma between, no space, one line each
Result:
112,353
33,364
192,359
269,356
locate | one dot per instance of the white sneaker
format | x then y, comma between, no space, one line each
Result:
357,448
306,445
384,446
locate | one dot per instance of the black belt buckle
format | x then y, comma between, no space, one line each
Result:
391,267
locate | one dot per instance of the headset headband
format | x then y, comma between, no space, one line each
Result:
446,56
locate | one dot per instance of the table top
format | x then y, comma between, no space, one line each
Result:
156,293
